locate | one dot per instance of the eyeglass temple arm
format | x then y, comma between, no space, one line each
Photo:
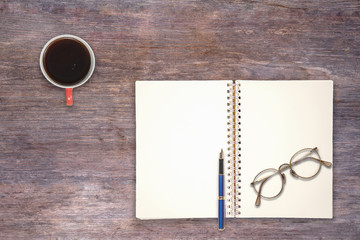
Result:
315,149
258,199
327,164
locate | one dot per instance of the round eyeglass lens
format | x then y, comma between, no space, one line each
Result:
272,183
304,163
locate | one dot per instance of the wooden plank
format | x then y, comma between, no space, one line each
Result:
69,172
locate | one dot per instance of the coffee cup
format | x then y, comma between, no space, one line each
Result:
67,61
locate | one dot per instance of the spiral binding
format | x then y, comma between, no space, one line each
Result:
233,150
238,147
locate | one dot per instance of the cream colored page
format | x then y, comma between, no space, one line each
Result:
180,129
279,118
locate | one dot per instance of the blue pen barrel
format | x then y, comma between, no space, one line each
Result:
221,203
221,214
221,185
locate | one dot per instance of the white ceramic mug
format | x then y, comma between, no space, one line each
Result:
68,88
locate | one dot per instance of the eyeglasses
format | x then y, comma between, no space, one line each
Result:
269,183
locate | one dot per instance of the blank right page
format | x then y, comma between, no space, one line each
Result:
278,118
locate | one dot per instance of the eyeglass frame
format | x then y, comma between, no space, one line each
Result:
284,167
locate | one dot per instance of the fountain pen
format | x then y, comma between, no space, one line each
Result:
221,216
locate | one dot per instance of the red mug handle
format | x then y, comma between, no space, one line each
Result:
69,96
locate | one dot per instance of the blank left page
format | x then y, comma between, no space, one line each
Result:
180,128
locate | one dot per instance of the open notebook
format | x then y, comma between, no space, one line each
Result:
182,125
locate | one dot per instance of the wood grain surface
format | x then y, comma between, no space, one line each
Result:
69,172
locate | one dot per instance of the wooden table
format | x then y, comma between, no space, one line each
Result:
69,172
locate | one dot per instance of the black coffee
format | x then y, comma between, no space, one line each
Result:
67,61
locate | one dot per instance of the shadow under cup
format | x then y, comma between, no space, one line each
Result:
67,61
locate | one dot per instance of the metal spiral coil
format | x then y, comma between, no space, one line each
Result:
232,170
237,177
230,154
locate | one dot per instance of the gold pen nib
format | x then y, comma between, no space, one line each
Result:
221,154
